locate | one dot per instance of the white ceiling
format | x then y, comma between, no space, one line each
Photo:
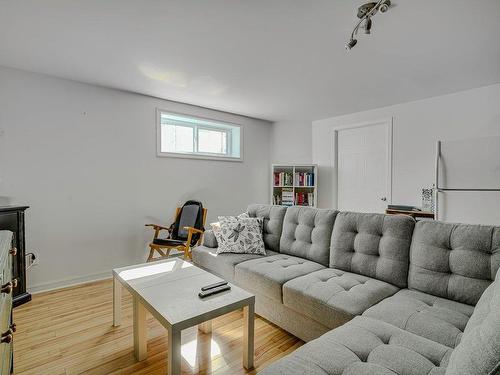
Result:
271,59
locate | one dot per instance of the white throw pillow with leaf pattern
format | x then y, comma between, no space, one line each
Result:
241,235
216,225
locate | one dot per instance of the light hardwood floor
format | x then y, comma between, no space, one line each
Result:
69,331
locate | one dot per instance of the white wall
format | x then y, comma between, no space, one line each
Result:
291,142
417,127
84,158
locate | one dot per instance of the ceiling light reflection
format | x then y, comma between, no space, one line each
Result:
190,349
172,78
201,85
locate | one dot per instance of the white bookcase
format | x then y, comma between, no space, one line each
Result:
294,185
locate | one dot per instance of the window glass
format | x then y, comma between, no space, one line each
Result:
181,135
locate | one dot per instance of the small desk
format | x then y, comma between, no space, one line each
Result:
415,214
168,289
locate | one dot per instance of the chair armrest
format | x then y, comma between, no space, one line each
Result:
158,227
193,230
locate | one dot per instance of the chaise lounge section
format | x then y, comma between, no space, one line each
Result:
367,346
401,297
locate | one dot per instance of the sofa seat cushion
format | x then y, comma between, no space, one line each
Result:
221,264
333,297
365,346
435,318
267,275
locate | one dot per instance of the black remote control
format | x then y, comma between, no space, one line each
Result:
210,292
212,286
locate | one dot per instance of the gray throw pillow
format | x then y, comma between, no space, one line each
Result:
240,235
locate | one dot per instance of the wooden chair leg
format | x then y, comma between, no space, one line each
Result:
151,255
187,253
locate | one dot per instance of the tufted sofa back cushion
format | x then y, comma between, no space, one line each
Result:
307,232
374,245
479,350
454,261
273,223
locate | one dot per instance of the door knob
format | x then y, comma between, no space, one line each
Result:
6,337
13,252
6,288
383,199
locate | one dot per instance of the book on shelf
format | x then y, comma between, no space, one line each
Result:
304,199
283,179
287,197
400,207
304,179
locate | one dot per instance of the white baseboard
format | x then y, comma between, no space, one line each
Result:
64,283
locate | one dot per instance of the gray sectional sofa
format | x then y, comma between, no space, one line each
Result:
372,293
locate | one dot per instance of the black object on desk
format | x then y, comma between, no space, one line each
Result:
12,218
212,286
213,291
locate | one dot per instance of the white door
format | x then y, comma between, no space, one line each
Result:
364,167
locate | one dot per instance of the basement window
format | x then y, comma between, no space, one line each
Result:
195,137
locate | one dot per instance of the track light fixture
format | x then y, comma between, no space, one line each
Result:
365,14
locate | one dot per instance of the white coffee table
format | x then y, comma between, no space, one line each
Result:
168,289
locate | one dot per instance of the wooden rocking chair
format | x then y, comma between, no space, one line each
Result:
186,231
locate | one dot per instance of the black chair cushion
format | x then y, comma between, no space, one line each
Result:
168,242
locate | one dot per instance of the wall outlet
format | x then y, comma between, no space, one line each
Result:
31,260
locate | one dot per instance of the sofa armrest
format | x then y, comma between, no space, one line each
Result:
209,239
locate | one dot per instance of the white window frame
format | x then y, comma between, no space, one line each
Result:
229,140
196,128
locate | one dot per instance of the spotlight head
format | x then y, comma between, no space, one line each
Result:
368,26
384,7
349,45
364,9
